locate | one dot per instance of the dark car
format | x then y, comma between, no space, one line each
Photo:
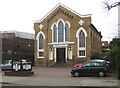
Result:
81,64
91,67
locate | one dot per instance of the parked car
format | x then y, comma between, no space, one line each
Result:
91,67
7,65
81,64
78,65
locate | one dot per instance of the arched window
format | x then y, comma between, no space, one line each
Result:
81,44
54,33
81,35
40,44
81,39
66,32
60,32
41,41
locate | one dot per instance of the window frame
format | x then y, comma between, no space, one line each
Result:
38,49
81,48
64,34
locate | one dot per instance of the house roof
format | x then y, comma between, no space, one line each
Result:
61,5
14,34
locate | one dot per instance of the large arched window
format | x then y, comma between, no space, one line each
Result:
67,34
81,39
54,33
60,32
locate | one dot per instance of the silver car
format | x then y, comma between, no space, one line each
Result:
7,65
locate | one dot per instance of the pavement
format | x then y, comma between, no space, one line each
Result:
51,76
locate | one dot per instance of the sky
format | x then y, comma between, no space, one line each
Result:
20,15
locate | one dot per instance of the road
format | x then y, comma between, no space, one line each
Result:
58,76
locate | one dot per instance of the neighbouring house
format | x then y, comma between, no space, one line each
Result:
17,45
105,46
63,36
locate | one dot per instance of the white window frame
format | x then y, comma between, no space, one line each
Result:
68,30
40,50
77,36
56,23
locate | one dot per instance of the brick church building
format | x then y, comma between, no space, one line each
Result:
64,36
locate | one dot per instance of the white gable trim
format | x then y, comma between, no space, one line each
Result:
38,21
68,24
81,28
53,25
39,34
61,20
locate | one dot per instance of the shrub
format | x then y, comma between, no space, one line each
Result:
95,55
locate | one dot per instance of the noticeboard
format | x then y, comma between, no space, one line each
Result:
16,65
27,67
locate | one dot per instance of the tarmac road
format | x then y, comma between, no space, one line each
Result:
59,77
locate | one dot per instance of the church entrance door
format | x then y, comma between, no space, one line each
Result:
60,54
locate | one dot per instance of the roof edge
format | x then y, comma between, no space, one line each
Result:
60,4
91,25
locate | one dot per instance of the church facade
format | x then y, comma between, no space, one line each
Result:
64,36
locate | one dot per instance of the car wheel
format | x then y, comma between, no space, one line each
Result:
76,74
101,74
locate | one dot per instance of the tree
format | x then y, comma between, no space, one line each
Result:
114,52
109,7
114,55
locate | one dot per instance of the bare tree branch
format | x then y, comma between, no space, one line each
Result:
112,5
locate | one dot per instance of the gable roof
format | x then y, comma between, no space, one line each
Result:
57,6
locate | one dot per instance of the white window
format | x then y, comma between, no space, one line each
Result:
55,33
41,41
60,31
40,44
67,32
81,39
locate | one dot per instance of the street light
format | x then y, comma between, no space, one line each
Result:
29,45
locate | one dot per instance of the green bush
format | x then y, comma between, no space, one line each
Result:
96,55
114,53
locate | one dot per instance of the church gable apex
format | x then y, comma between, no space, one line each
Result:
63,9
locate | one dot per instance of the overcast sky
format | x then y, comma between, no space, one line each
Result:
20,15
